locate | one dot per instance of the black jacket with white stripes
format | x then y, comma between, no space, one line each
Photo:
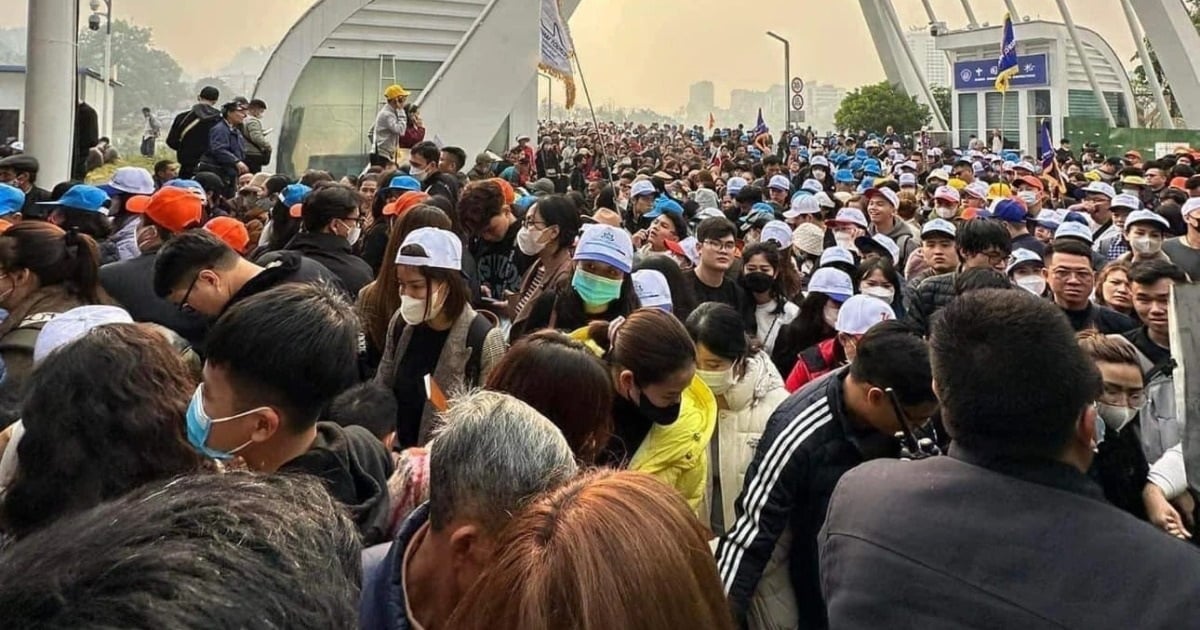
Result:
808,445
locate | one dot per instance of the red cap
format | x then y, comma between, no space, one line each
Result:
174,209
1180,183
675,247
230,230
1030,180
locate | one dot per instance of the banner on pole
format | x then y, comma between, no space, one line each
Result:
557,48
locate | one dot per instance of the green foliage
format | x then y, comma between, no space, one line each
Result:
874,107
941,96
150,77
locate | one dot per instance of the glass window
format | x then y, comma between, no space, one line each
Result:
968,117
332,109
1007,121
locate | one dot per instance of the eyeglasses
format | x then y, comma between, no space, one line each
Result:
913,448
529,222
721,246
184,307
1062,275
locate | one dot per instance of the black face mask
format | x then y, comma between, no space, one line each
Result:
657,415
757,282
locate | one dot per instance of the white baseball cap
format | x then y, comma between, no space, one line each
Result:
811,185
1022,256
802,204
941,174
606,244
947,193
1147,216
852,215
735,185
859,313
824,201
443,249
652,289
642,187
820,160
73,324
1100,188
832,282
1126,200
1190,206
780,182
1071,229
908,179
691,249
886,193
131,180
777,232
940,227
836,254
978,190
881,240
709,213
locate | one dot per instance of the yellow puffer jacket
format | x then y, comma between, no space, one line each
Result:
677,453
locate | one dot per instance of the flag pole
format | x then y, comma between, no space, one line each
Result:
595,121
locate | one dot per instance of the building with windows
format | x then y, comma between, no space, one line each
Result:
932,60
701,100
822,101
1051,85
12,100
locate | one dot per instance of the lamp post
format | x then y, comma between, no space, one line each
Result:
787,76
94,24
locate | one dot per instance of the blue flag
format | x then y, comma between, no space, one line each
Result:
760,127
1046,145
1008,56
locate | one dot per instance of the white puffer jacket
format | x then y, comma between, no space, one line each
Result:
750,403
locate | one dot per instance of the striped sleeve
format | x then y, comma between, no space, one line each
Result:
779,467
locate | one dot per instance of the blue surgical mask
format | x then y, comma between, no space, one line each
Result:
595,290
199,425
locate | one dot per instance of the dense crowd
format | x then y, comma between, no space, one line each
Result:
622,376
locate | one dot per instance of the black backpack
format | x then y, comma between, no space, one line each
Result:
189,136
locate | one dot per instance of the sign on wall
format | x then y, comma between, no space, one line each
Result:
980,74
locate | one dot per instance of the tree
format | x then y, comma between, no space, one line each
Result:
1148,113
874,107
149,76
941,96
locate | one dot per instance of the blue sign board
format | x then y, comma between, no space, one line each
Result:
980,74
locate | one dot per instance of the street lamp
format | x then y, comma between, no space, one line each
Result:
787,76
94,24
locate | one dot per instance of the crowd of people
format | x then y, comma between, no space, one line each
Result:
651,377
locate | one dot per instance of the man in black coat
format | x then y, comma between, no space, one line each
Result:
1007,531
87,134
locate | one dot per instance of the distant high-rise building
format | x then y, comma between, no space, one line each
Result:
932,62
821,103
701,101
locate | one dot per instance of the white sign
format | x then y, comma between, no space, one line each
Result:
797,85
1163,149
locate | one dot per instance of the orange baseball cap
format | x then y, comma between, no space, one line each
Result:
174,209
404,203
510,195
1179,182
1030,180
230,230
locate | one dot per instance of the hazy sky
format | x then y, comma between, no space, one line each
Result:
636,52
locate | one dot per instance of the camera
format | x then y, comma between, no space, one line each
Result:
94,22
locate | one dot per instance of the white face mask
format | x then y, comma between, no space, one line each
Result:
1115,417
831,313
418,174
946,212
353,235
883,293
1146,245
1029,197
528,241
843,239
718,381
413,310
1033,284
818,173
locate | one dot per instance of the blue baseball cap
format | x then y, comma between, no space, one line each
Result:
832,282
404,182
1009,210
294,193
189,184
861,154
523,203
663,205
82,197
1076,217
11,199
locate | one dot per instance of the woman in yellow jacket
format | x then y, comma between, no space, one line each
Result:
663,416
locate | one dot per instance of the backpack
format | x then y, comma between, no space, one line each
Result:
476,337
24,336
189,136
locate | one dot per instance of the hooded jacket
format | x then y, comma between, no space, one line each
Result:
281,268
333,252
189,132
677,453
355,468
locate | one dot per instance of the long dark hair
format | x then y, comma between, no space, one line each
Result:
90,439
56,257
568,306
808,329
283,227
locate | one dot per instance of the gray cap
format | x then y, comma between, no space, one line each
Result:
21,163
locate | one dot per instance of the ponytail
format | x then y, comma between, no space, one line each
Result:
82,266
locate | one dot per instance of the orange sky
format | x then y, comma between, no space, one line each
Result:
641,53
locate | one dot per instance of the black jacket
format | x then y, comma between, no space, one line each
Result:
965,541
281,268
189,132
374,245
333,252
443,185
355,468
131,284
807,446
929,297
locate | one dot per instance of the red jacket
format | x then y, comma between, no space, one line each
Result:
813,362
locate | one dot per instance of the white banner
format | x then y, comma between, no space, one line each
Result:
557,48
